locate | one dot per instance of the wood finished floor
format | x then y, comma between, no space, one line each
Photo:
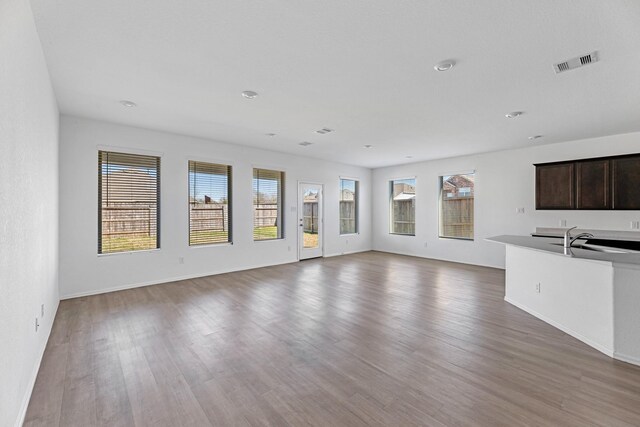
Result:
365,339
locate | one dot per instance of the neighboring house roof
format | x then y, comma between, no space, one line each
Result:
459,181
458,186
405,196
347,195
403,188
311,198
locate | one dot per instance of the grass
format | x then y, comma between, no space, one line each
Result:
208,236
264,233
143,242
310,240
127,243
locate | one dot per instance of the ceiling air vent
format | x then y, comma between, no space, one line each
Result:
324,130
577,62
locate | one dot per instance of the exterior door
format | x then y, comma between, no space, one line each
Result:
310,224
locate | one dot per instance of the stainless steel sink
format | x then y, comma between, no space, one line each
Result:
598,248
606,249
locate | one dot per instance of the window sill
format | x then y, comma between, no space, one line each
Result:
402,234
128,252
350,234
268,240
464,239
211,245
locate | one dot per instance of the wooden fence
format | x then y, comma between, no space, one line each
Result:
404,217
457,217
310,217
209,217
347,216
141,220
265,215
129,220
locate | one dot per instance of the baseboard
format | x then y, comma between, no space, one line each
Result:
34,375
628,359
359,251
166,280
440,259
602,349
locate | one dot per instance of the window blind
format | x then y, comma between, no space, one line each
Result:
348,206
209,203
128,202
267,204
403,206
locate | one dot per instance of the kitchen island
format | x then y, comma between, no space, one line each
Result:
591,295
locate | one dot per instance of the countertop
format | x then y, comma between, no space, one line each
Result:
550,245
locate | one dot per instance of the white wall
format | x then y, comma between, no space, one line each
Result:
504,182
575,295
28,207
83,272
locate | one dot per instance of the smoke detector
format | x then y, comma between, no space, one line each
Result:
249,94
444,65
577,62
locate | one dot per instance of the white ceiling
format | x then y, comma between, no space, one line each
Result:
361,67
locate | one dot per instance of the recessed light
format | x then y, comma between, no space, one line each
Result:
249,94
128,103
513,114
368,146
270,134
444,65
535,137
305,143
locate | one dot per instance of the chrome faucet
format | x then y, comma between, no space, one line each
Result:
568,240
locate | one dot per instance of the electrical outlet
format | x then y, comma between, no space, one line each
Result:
519,210
289,248
635,225
37,324
346,242
42,310
180,260
537,287
426,244
563,223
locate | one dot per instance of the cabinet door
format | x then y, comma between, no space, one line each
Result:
592,184
626,182
555,186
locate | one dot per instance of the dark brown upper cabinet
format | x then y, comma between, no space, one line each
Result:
589,184
555,186
592,184
626,182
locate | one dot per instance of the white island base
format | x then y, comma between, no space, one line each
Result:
595,301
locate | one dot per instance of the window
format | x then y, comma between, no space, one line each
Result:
348,206
403,206
267,204
209,203
456,206
128,202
